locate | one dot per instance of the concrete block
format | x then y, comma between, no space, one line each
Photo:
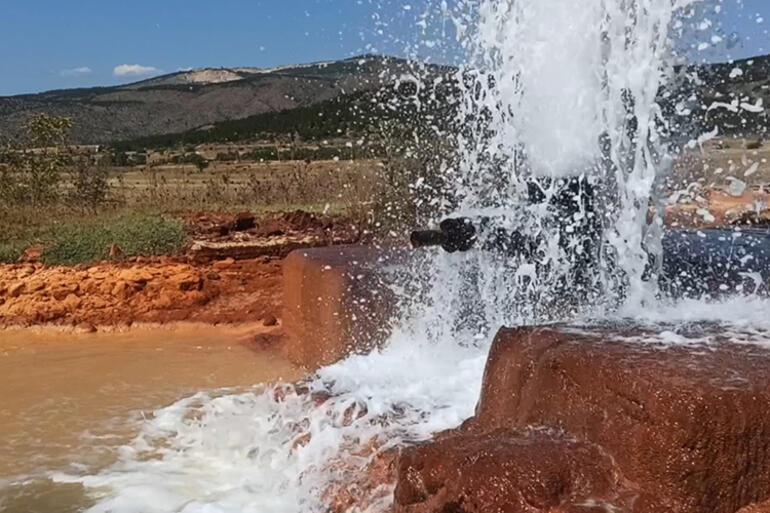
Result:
338,301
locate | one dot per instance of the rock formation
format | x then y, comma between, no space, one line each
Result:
586,420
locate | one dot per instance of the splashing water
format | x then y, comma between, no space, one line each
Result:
551,89
556,90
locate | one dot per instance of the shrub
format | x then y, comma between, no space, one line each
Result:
192,158
90,186
228,157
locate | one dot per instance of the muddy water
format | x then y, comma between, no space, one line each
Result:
67,401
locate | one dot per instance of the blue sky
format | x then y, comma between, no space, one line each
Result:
50,44
748,23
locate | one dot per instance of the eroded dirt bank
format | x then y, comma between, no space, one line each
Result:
144,291
231,270
229,273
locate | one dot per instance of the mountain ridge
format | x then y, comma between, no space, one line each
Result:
175,102
184,101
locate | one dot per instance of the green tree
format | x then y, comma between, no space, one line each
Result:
33,168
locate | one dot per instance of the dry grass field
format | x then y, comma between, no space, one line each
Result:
255,186
145,205
722,160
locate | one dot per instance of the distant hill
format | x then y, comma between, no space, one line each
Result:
190,99
728,88
326,99
347,115
736,96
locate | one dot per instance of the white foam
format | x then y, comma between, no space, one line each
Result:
237,452
740,312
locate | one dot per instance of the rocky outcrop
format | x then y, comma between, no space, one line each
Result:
526,471
40,295
719,208
675,429
244,237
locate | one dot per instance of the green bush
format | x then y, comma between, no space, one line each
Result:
135,235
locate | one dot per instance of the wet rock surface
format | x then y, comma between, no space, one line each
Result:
757,508
644,427
509,471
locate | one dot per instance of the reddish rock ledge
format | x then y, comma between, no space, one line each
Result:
509,471
582,420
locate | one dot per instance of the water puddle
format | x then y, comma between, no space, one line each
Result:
70,400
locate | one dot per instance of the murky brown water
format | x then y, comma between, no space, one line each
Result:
71,399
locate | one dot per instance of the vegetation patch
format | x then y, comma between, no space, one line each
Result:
11,251
131,235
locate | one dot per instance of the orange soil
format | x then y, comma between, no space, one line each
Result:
148,291
162,290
